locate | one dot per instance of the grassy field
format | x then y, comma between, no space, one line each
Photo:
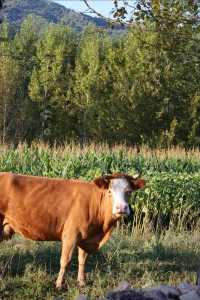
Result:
29,269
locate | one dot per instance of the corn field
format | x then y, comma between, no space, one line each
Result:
171,198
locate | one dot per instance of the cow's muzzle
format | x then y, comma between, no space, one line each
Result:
121,209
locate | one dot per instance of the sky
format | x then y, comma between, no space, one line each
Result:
102,6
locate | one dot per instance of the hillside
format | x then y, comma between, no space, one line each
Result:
16,11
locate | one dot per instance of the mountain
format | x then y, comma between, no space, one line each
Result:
16,11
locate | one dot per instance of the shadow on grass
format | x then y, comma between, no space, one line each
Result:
171,258
46,255
159,258
16,259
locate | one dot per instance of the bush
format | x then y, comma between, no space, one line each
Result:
173,198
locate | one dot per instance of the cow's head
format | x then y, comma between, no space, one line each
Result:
120,186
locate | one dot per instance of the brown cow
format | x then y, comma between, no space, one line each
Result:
76,212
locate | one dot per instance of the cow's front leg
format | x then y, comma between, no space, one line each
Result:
68,245
82,256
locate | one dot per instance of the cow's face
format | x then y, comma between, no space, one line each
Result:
120,186
120,190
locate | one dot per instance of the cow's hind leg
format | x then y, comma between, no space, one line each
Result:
68,245
1,227
82,256
7,230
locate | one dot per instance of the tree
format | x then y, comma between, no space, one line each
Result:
24,49
9,73
119,12
1,8
169,43
85,75
1,4
127,12
142,86
51,79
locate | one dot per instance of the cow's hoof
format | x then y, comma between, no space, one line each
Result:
61,286
81,283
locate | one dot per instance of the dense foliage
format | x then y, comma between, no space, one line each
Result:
171,197
142,87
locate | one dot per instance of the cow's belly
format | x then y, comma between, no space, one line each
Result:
34,231
37,235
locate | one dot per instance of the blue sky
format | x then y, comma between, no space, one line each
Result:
103,6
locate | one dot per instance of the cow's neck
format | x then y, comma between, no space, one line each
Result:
104,211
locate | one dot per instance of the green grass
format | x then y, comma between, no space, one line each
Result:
29,269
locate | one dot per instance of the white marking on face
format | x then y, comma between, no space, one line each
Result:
119,187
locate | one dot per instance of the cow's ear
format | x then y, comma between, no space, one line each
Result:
138,183
102,182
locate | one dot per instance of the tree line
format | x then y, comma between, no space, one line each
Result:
142,86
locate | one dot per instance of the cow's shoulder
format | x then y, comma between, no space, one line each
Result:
6,176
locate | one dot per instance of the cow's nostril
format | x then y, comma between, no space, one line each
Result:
122,208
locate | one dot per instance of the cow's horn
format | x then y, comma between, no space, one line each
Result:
136,176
